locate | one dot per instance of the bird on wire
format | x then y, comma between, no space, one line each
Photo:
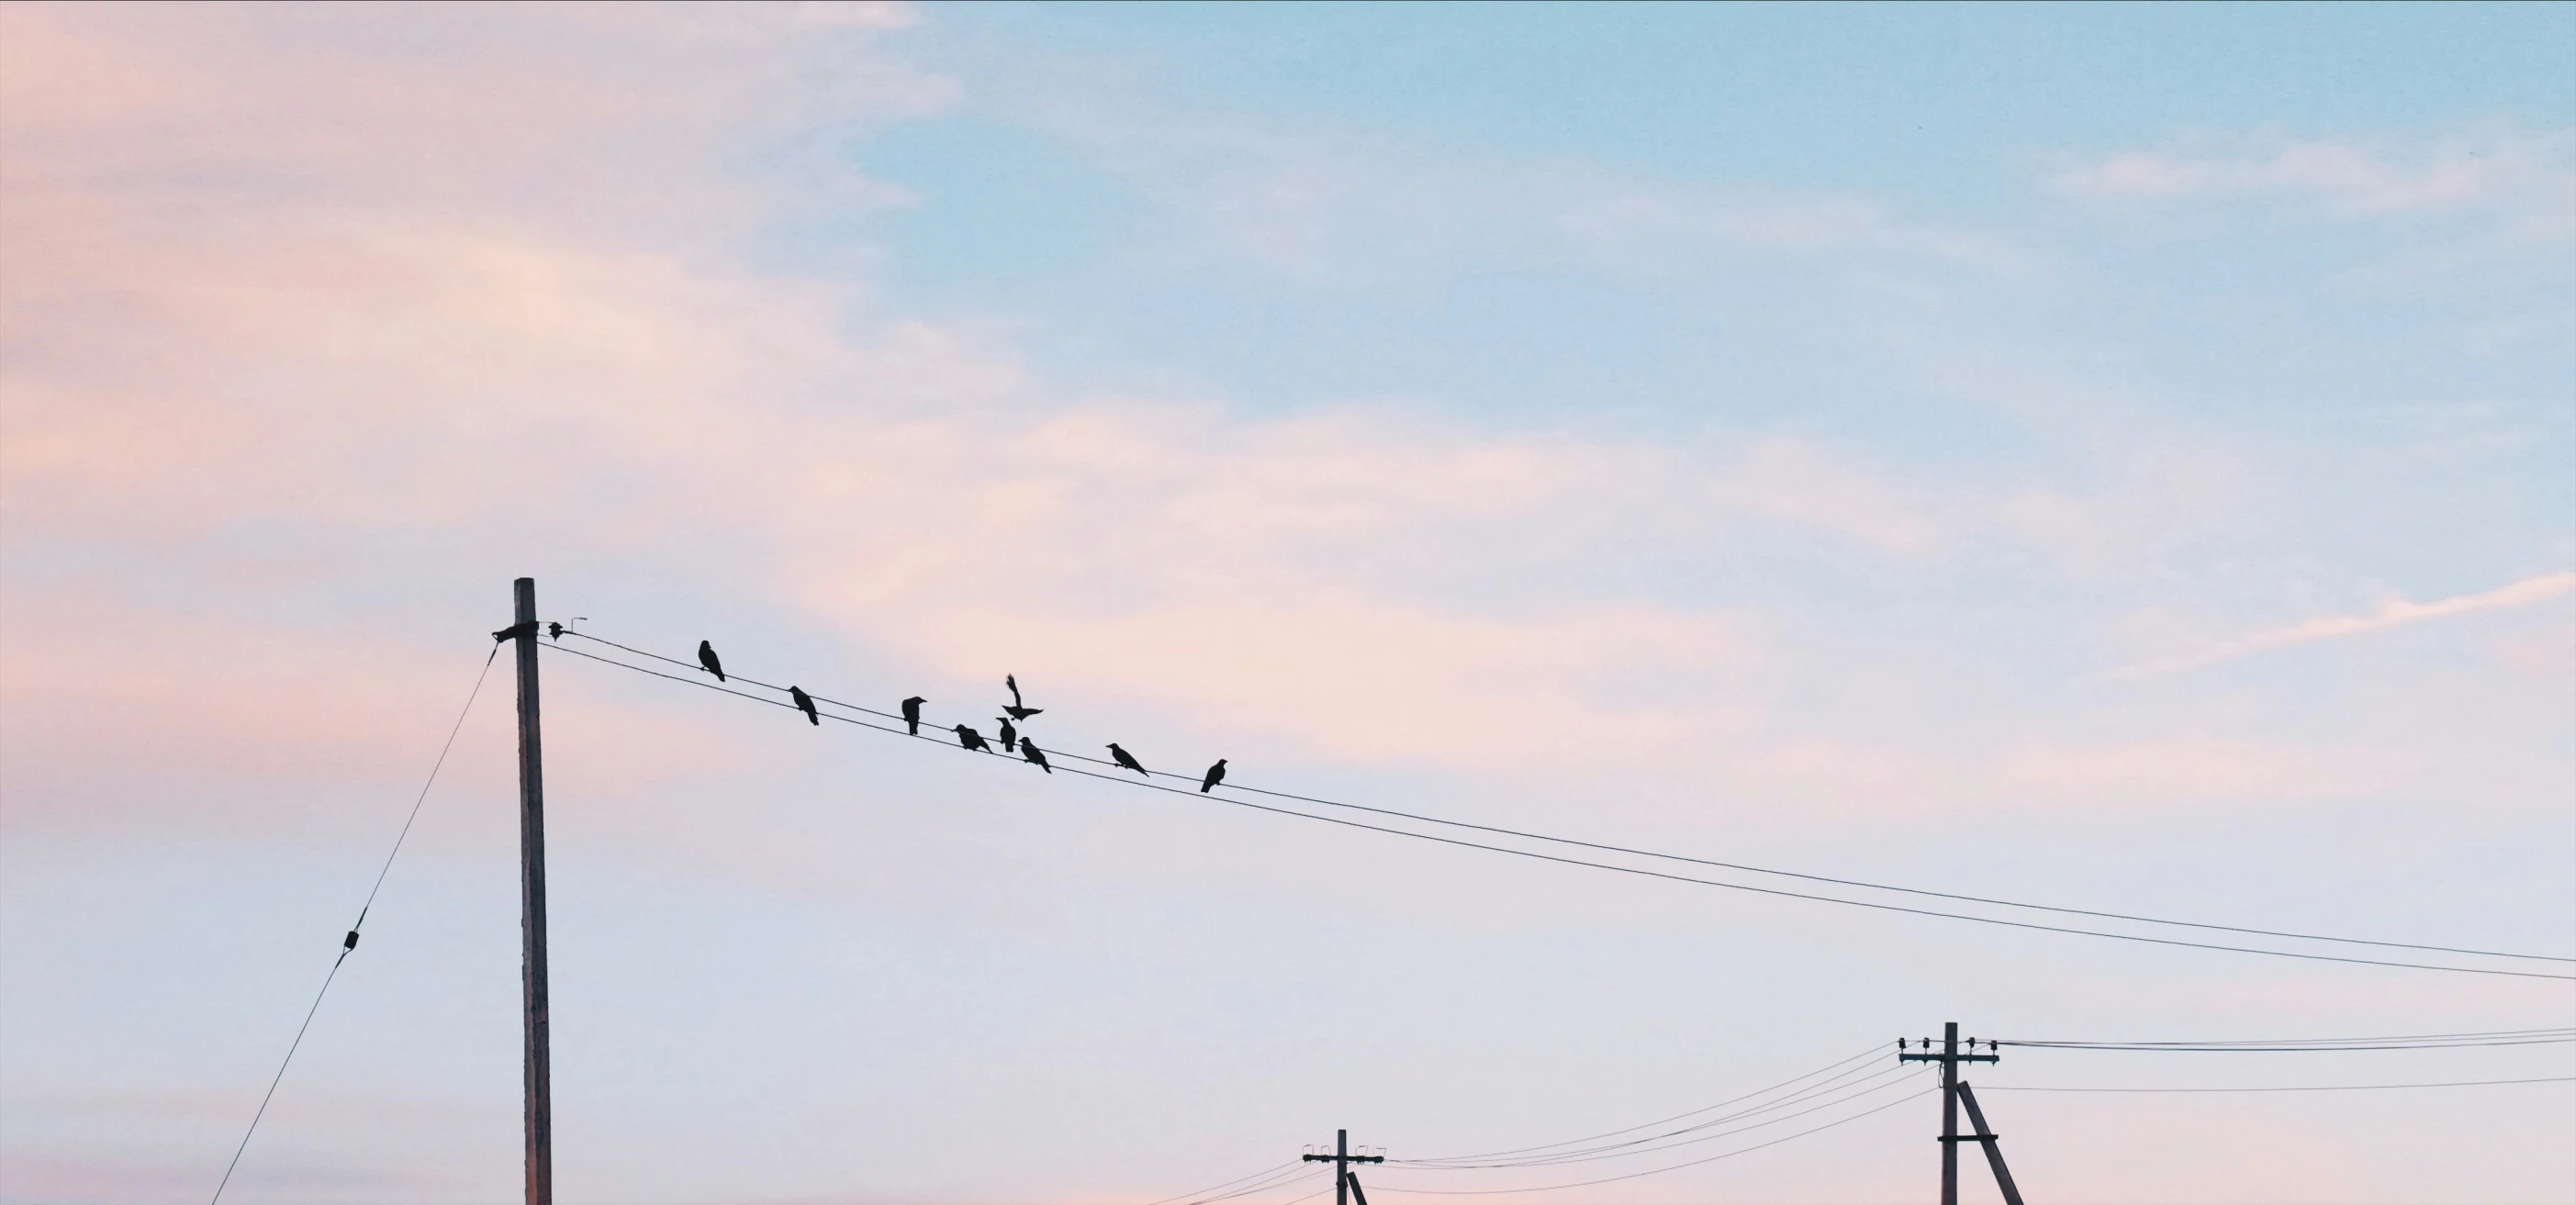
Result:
1029,750
707,658
1015,710
912,713
1125,759
805,703
1010,735
971,739
554,631
1215,775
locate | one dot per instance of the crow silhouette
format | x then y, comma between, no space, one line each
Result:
1029,750
805,703
1215,775
1125,759
1015,710
707,658
971,739
912,713
1010,735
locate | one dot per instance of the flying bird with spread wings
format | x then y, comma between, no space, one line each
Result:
707,658
1015,710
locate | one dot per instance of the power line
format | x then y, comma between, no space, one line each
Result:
274,1080
1885,1079
423,797
1737,866
1631,870
1577,1153
2399,1037
1480,1192
1200,1192
1275,1181
349,944
2466,1041
2463,1083
1872,1052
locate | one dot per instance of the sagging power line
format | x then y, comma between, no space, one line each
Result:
2439,1041
910,719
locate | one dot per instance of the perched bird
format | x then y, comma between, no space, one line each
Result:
1029,750
1125,759
805,703
912,713
1015,711
1010,735
554,631
1215,775
707,658
971,739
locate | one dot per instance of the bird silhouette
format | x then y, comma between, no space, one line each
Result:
1215,775
1029,750
971,739
707,658
805,703
554,631
1125,759
1010,735
912,713
1015,710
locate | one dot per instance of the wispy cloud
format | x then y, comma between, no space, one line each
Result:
1320,205
2396,612
2507,169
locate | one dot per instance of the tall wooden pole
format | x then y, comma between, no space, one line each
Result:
1341,1167
532,905
1949,1106
1950,1058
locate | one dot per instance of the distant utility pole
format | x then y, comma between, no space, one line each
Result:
1342,1159
538,1063
1955,1091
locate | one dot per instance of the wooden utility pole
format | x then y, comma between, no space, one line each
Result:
532,904
1950,1058
1342,1159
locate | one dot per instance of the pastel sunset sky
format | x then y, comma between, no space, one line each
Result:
2122,457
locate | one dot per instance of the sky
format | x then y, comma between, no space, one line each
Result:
2121,457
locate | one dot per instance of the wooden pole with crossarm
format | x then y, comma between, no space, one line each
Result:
1342,1159
1952,1093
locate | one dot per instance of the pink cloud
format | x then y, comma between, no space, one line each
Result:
2394,612
526,375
